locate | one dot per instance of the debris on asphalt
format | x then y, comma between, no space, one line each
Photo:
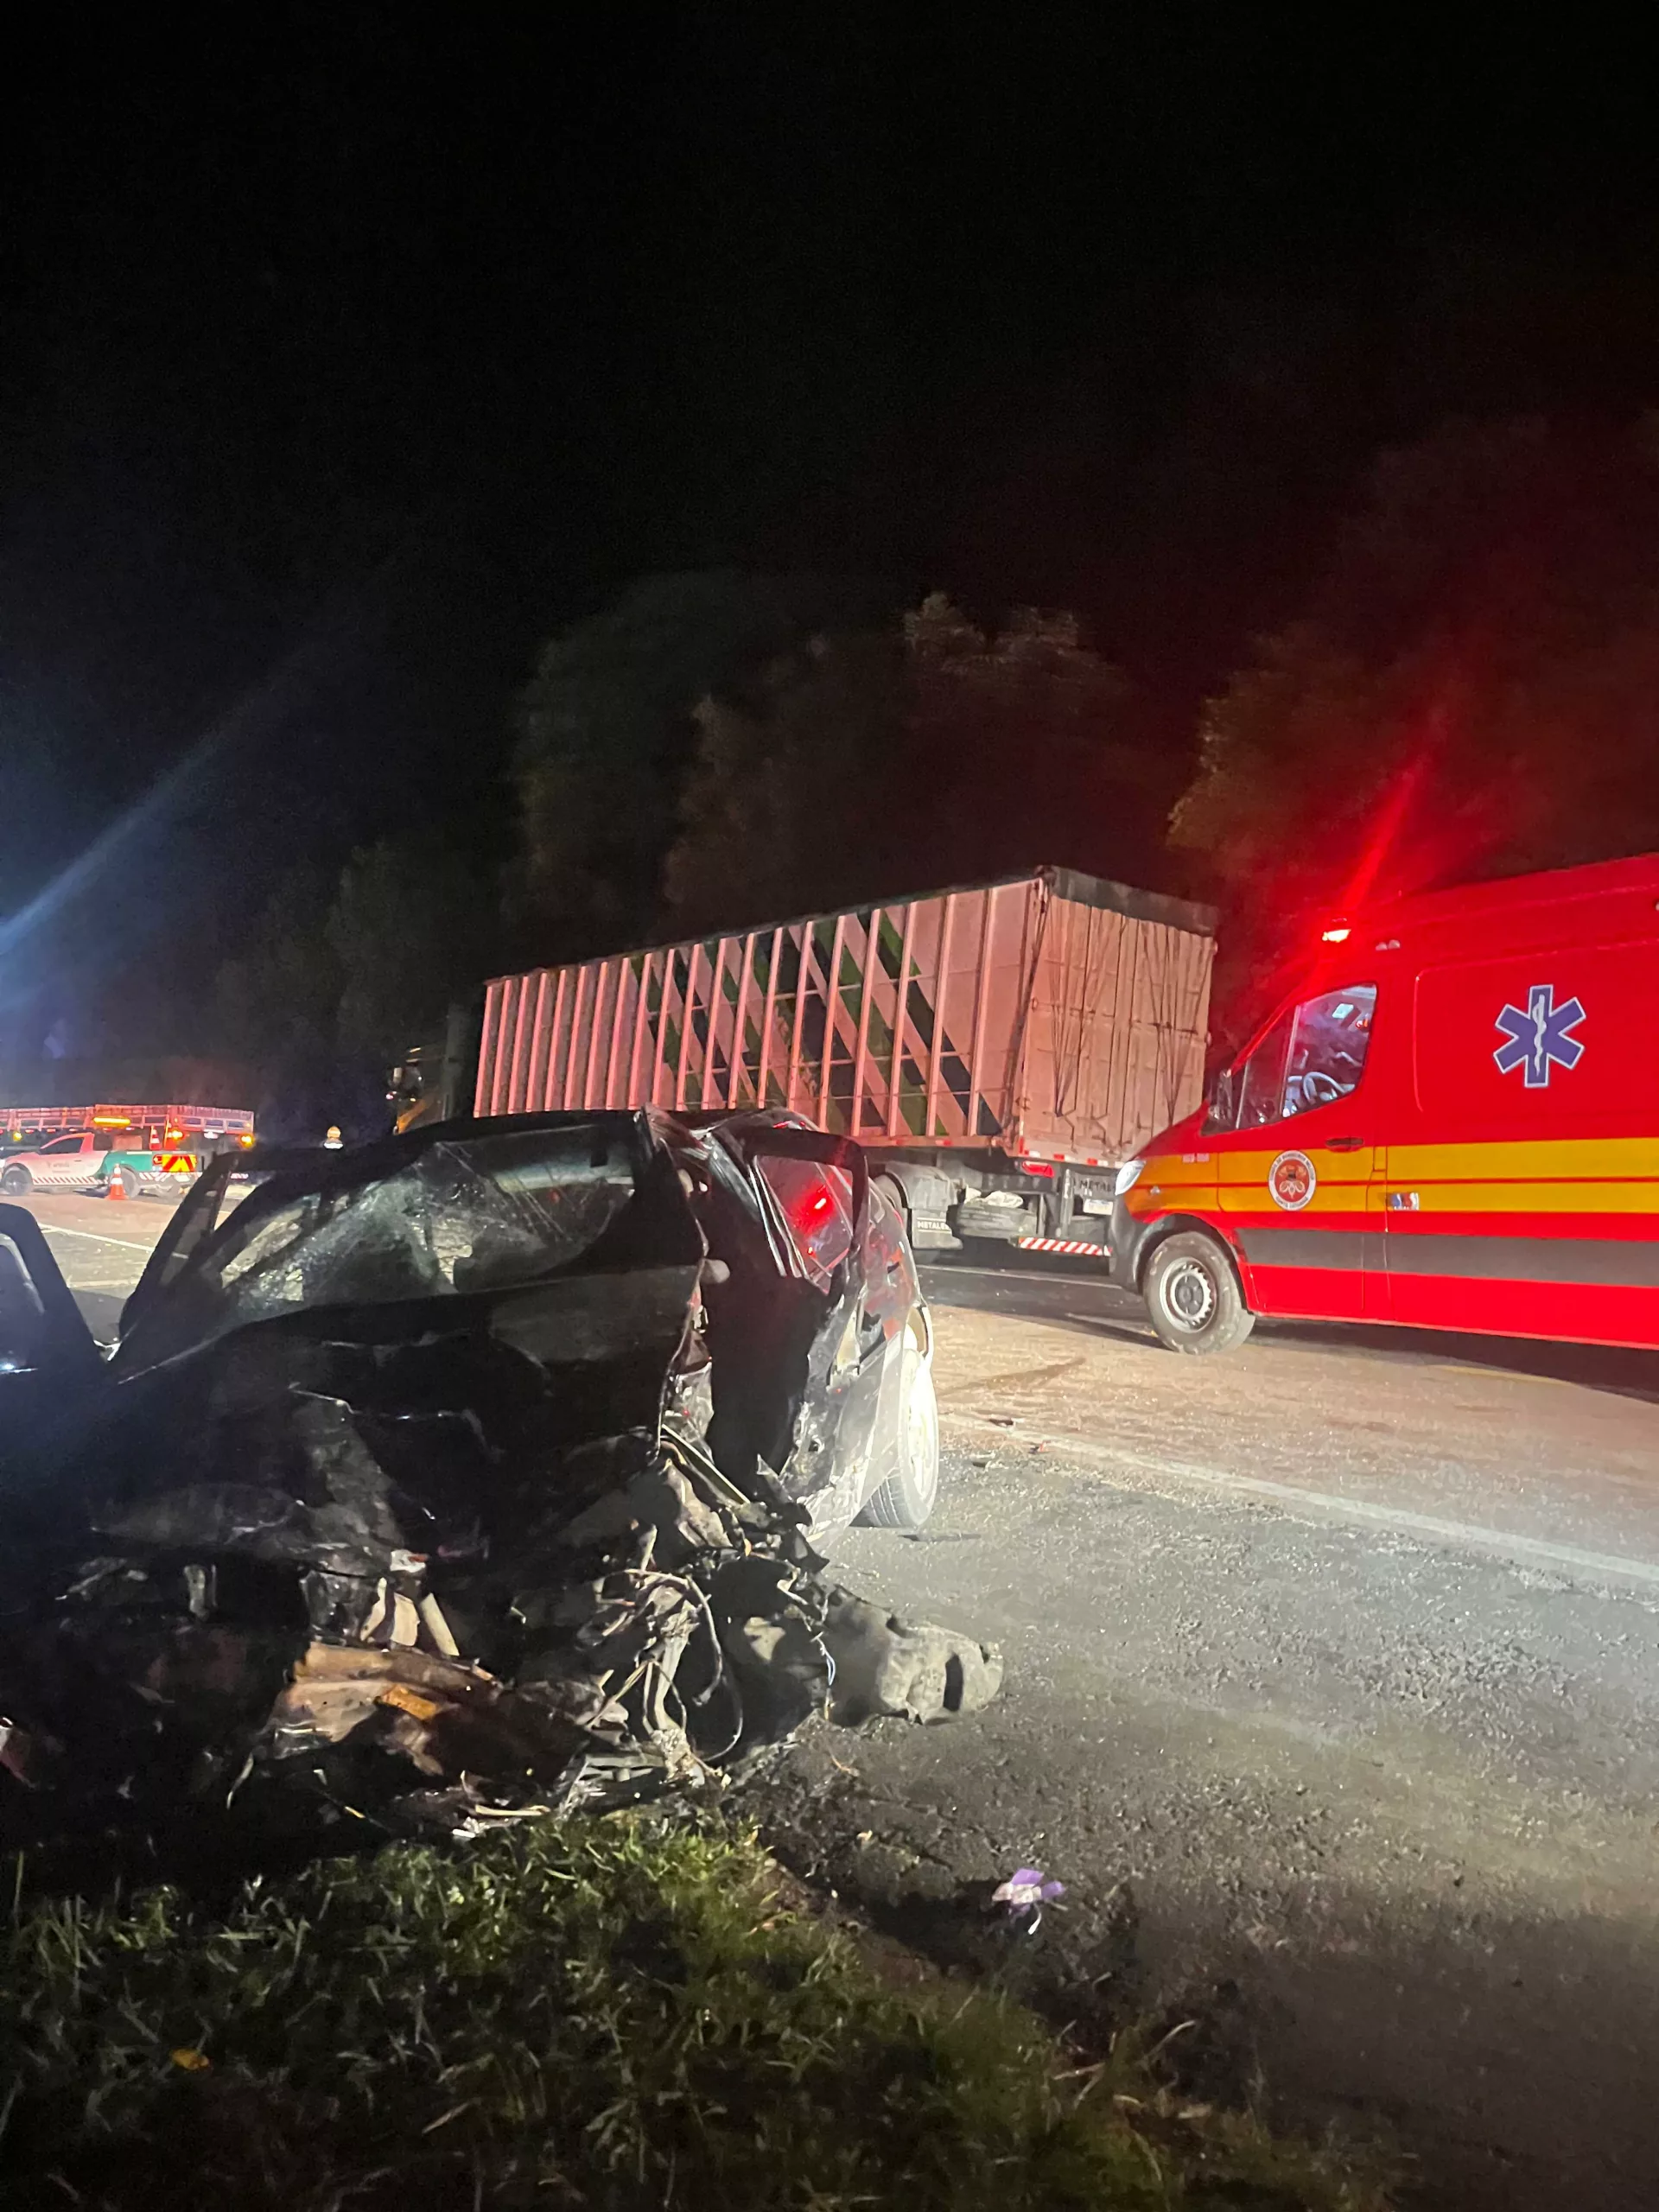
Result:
452,1485
883,1666
1025,1893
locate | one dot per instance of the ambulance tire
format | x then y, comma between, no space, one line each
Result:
1193,1294
16,1183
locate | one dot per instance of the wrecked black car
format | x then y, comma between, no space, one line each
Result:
478,1473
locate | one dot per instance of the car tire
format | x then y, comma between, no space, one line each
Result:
130,1182
16,1183
907,1497
1193,1294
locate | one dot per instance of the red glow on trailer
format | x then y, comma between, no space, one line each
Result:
1037,1167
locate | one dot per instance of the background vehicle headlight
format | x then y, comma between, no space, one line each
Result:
1127,1175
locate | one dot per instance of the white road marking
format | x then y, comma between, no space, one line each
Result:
94,1236
1398,1517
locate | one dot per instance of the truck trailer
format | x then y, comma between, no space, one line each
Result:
999,1049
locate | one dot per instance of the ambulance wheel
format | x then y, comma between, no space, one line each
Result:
17,1182
1192,1295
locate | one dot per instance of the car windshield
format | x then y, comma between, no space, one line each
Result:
477,1214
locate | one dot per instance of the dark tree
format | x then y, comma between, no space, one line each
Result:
1470,692
414,924
606,733
894,760
781,811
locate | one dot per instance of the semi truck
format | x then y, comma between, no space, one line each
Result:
999,1049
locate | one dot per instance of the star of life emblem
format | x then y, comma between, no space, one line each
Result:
1540,1036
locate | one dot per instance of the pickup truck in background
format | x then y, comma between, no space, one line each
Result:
150,1148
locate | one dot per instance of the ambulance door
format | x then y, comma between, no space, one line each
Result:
1299,1186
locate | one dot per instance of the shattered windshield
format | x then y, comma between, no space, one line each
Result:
482,1214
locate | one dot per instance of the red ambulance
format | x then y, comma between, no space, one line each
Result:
1454,1123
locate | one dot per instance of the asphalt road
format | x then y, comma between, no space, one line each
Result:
1332,1695
101,1245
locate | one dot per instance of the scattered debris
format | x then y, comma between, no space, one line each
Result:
917,1674
1025,1893
472,1477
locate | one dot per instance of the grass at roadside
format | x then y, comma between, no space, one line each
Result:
610,2014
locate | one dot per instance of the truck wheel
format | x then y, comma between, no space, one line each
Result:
907,1497
17,1182
1192,1295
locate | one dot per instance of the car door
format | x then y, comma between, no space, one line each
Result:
47,1357
815,1189
62,1162
1298,1184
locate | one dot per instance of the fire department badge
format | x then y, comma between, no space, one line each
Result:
1291,1181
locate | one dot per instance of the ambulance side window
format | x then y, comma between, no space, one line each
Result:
1328,1045
1313,1055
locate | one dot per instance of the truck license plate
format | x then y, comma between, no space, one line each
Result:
1096,1206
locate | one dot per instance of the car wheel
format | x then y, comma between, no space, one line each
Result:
907,1497
17,1182
130,1182
1192,1295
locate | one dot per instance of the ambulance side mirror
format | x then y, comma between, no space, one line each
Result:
1222,1104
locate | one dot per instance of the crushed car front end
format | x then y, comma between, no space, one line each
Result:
469,1475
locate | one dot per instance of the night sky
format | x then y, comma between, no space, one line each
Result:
348,352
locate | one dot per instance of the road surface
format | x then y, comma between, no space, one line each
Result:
1332,1695
101,1244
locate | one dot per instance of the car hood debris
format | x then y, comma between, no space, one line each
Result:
476,1475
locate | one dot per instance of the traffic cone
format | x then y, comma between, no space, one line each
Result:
117,1187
